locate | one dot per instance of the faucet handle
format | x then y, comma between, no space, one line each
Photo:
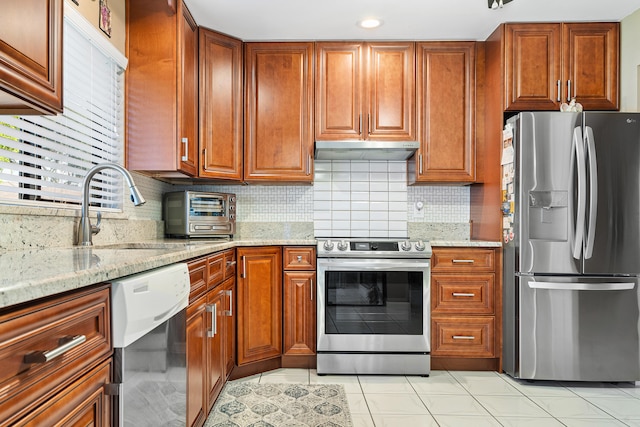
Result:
95,229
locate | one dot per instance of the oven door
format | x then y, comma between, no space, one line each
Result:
373,305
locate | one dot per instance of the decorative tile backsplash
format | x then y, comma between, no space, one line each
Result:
267,203
347,199
360,199
351,199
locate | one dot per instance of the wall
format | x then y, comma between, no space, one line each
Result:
90,9
351,199
630,63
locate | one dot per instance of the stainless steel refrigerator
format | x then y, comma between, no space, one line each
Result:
572,247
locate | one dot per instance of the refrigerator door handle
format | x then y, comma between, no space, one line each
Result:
577,162
559,286
593,191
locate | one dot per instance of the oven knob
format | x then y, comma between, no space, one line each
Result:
342,246
328,245
420,246
406,245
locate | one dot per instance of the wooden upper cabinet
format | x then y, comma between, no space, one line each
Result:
591,63
221,106
278,112
547,64
365,91
162,89
339,90
391,91
31,57
446,113
188,92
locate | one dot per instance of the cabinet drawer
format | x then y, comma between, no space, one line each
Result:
198,278
83,403
462,336
464,294
457,260
216,267
230,263
31,331
300,258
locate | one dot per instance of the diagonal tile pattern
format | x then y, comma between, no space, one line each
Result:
466,398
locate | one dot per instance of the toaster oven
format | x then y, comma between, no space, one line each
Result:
199,214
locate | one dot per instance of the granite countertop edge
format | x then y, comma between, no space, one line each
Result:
36,273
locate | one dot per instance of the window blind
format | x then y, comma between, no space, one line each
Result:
43,159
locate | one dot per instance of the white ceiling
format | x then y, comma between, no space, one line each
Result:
402,19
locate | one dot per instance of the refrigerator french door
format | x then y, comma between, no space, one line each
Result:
571,300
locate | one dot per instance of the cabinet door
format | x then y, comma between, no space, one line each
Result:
279,112
532,67
196,362
446,112
215,342
259,304
220,106
591,64
339,90
391,91
299,313
31,57
161,89
229,337
188,93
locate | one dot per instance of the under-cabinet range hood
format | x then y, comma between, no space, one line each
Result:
365,150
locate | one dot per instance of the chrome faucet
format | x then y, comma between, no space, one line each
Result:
85,229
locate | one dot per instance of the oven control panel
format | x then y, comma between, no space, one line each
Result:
374,248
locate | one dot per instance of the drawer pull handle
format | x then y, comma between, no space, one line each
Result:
230,263
213,309
463,294
299,258
464,337
64,345
463,261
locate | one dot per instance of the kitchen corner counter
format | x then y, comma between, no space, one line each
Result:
31,274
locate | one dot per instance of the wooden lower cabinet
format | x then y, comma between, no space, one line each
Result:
466,308
210,333
299,307
196,362
259,304
67,390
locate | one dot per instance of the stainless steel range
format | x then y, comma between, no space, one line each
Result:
373,307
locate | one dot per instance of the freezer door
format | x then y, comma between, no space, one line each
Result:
547,219
582,329
612,236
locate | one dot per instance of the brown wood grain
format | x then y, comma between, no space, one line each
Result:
31,57
259,304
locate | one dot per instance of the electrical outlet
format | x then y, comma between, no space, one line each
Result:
418,210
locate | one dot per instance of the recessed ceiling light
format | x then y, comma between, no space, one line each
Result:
370,23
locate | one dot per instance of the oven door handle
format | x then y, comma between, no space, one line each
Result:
373,265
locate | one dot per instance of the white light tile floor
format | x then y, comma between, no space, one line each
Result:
465,398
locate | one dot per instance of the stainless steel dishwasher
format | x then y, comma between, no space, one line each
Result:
149,339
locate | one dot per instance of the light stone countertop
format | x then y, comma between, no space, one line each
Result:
30,274
466,243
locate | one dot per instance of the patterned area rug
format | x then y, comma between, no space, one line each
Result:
245,404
